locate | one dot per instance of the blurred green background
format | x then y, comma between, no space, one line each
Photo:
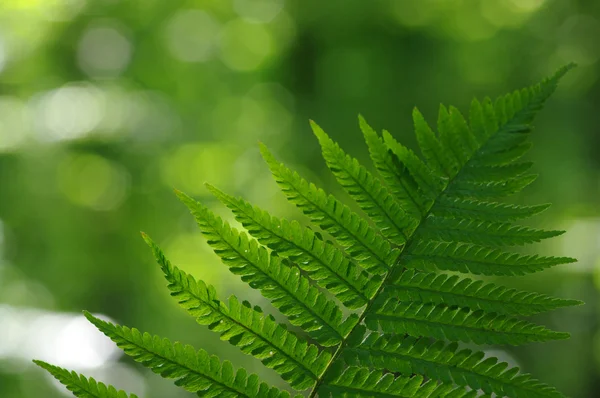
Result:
106,105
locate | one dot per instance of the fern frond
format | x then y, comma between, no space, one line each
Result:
245,327
483,174
351,231
81,386
484,211
361,382
195,371
454,323
289,291
438,159
455,136
321,260
429,185
511,120
396,177
475,259
501,157
489,190
444,362
450,229
362,186
411,286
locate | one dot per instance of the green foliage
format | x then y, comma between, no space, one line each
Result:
81,386
376,315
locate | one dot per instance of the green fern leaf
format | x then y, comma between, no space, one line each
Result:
444,362
361,382
501,157
451,229
454,323
484,174
355,234
438,159
484,211
490,190
428,184
397,178
289,291
246,327
321,260
81,386
412,286
455,136
361,185
195,371
479,260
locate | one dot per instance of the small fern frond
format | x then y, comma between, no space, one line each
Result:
489,190
484,211
396,178
245,327
444,362
360,382
412,286
321,260
475,259
362,186
428,185
195,371
453,323
499,157
361,241
483,174
81,386
450,229
440,160
289,291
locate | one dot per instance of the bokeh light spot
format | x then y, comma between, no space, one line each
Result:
413,14
61,10
68,112
190,35
579,40
3,55
191,253
468,24
62,339
258,10
103,51
150,114
13,123
526,6
189,166
93,181
245,46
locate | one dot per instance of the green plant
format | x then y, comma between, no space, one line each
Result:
378,317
